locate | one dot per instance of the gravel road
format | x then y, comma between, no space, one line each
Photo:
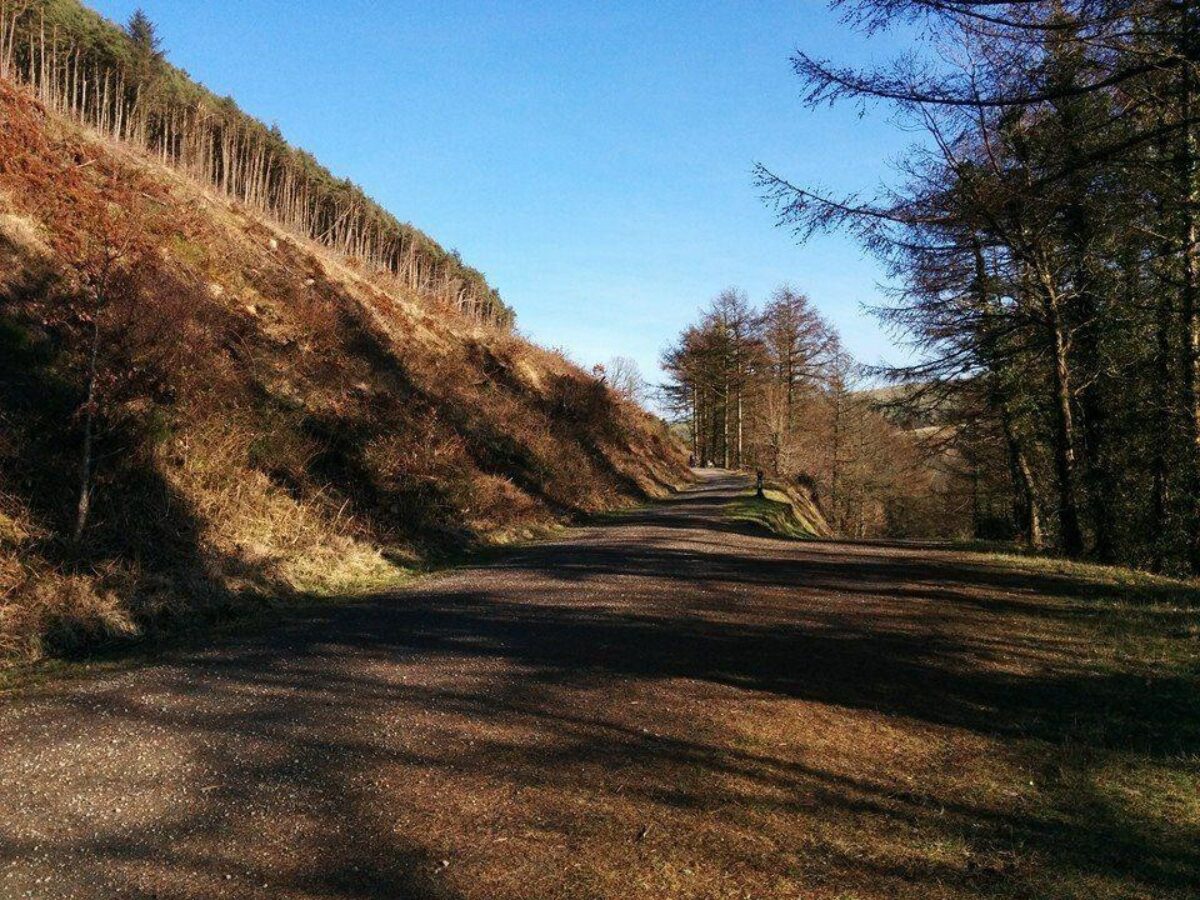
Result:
659,705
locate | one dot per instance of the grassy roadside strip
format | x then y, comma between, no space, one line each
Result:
1094,580
776,512
254,612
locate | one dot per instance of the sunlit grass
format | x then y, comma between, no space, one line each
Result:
775,512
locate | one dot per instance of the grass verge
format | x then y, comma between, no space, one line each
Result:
1094,581
775,512
255,612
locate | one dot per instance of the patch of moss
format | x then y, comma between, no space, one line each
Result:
188,252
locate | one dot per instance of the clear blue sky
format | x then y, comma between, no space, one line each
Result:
593,159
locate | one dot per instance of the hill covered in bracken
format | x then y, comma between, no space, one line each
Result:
261,414
118,82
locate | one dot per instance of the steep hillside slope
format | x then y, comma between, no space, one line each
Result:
118,82
268,416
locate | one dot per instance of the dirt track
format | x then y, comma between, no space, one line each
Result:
662,705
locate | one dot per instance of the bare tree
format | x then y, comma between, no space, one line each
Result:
99,276
625,378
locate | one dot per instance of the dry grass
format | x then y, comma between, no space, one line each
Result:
277,422
47,611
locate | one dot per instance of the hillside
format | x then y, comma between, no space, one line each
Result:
119,83
270,417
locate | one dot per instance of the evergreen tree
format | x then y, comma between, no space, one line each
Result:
144,35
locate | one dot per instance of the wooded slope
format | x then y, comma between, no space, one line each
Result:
118,82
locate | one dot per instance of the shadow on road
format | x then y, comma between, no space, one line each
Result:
521,721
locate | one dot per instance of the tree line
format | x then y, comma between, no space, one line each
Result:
771,387
1043,237
118,82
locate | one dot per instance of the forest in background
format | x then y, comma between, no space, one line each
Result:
119,82
1043,238
772,388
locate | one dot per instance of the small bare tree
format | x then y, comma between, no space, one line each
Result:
102,276
625,378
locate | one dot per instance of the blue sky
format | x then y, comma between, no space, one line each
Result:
593,159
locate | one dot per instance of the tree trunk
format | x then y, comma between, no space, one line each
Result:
1026,511
739,427
1159,463
1190,343
1064,438
85,468
725,424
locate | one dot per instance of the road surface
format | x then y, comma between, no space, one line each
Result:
661,705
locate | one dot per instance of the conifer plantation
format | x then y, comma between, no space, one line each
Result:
119,83
1043,239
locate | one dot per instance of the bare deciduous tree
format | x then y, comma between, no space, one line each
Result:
625,377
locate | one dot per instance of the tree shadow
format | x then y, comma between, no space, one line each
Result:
144,542
580,692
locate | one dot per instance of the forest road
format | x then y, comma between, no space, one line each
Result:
661,704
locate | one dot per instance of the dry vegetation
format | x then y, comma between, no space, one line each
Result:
270,419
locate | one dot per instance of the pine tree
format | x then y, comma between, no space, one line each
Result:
144,35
